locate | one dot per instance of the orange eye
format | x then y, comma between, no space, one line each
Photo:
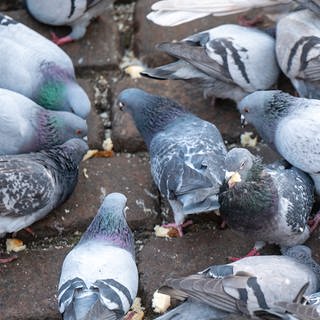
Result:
246,110
78,131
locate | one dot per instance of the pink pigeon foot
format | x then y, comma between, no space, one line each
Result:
251,253
179,227
8,260
245,22
314,222
60,41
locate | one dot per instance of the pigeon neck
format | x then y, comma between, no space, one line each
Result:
108,227
49,125
52,88
156,117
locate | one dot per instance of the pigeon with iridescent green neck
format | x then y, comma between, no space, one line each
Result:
26,127
267,204
39,69
99,277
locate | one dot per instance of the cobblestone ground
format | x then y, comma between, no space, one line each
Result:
28,286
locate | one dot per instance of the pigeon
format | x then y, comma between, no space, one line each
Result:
228,61
74,13
39,69
99,277
290,125
34,184
175,12
250,286
298,52
186,152
266,203
308,310
27,127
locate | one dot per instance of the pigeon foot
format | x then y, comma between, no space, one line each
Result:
60,41
253,252
179,227
8,260
245,22
314,222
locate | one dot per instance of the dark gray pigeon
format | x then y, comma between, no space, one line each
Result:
74,13
267,204
99,277
38,69
186,152
33,184
298,51
228,61
26,127
288,124
309,309
175,12
250,286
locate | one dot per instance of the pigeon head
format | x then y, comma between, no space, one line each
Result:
240,165
74,150
264,109
303,255
110,225
59,91
150,113
59,126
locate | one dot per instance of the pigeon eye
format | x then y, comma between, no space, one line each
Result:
242,164
246,110
78,131
121,105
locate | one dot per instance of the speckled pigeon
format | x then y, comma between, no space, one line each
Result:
298,51
26,127
250,286
39,69
175,12
309,309
33,184
228,61
186,152
266,203
288,124
99,277
75,13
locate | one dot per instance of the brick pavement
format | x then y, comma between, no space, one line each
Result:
28,286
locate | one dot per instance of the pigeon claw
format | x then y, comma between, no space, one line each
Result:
178,227
314,222
60,41
8,260
253,252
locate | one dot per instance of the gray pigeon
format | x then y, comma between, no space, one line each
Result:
250,286
74,13
267,204
229,61
298,51
34,184
175,12
308,310
38,69
99,277
288,124
186,152
26,127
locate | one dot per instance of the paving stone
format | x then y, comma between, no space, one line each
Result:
99,48
223,113
6,5
148,34
95,125
129,174
29,285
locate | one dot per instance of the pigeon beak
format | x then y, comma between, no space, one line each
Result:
125,211
233,178
243,121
